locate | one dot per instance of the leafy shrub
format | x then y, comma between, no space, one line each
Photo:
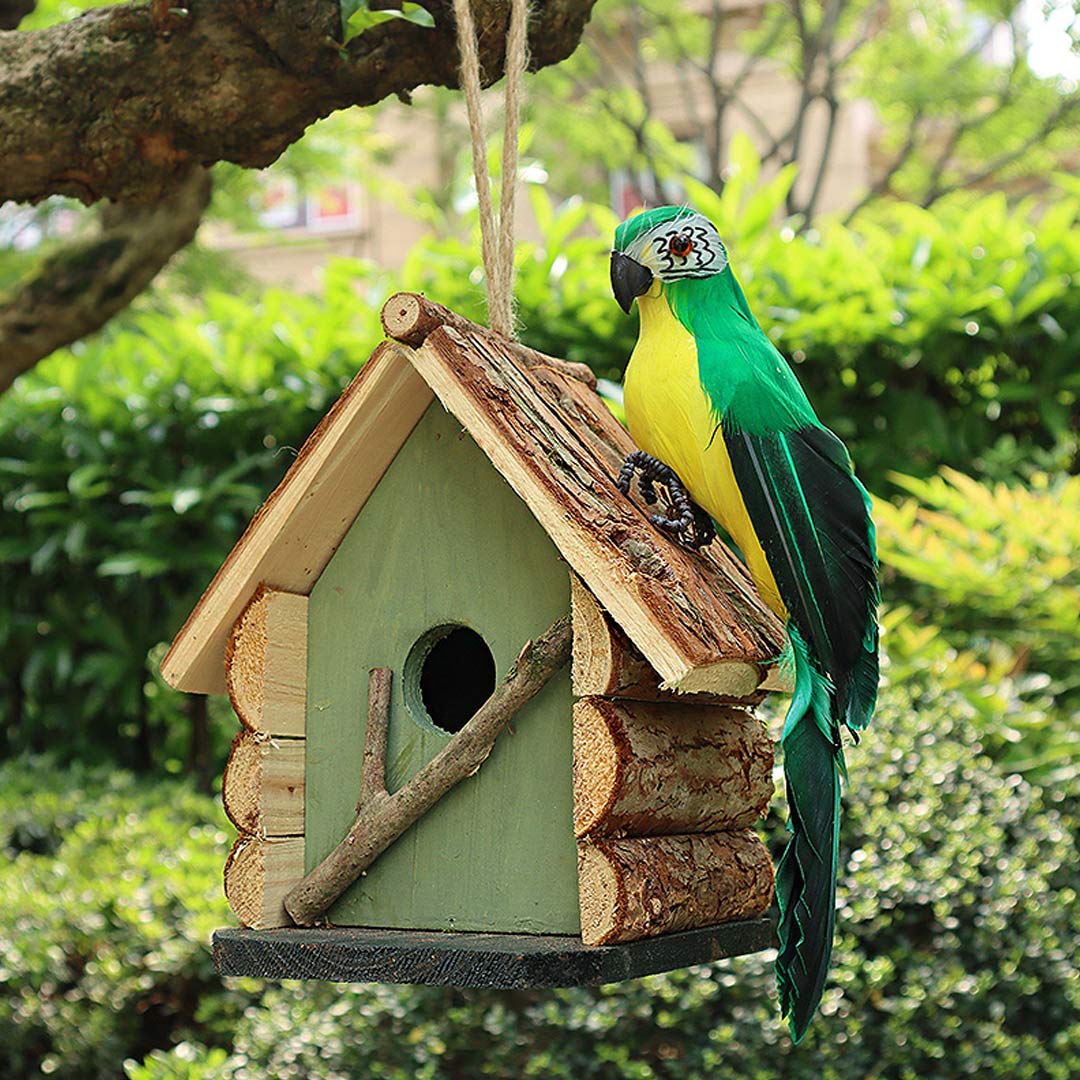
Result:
923,337
105,936
993,591
130,464
128,468
956,956
187,1061
956,950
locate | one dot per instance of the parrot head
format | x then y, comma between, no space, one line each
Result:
668,243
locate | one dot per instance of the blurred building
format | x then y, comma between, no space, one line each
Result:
305,228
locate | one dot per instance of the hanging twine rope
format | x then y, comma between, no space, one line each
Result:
496,232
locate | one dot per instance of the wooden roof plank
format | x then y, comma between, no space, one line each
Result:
695,616
293,536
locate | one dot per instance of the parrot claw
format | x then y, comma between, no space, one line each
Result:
690,524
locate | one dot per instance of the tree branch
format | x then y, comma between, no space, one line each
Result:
120,102
833,106
976,119
1059,114
76,290
881,185
382,818
12,12
373,766
811,44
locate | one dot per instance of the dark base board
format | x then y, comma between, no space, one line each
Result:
503,961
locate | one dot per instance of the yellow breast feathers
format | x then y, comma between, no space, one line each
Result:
669,417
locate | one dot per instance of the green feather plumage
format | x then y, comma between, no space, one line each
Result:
812,517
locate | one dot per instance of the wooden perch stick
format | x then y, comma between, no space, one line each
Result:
373,767
382,817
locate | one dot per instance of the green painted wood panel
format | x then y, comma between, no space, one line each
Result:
443,539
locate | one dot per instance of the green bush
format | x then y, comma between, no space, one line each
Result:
128,468
992,590
104,940
187,1061
956,956
956,951
130,464
924,338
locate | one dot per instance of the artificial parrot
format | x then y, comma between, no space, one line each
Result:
724,425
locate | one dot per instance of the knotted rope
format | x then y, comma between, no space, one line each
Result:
496,232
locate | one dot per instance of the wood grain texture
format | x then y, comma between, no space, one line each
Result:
636,888
381,817
409,318
695,616
266,663
263,786
258,874
443,540
290,540
606,662
499,961
647,769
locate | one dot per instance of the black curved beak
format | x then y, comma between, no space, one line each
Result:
628,279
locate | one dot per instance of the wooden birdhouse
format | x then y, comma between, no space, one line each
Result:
456,503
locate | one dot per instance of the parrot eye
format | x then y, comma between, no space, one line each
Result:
681,245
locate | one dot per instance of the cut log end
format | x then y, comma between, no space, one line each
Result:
729,679
593,662
245,661
409,318
241,784
602,902
258,874
596,769
266,663
263,786
639,888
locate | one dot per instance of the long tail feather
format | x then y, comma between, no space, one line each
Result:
806,874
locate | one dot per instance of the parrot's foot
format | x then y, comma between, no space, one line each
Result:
691,525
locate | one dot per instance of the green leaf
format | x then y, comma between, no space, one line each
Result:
185,498
357,16
144,565
87,481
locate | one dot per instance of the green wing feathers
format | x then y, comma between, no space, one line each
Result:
812,517
813,520
806,874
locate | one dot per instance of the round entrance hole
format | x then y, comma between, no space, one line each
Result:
449,674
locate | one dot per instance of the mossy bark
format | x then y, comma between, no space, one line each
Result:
122,101
77,289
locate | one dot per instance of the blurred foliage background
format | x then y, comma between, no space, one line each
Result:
939,336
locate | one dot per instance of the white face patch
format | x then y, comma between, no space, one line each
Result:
689,247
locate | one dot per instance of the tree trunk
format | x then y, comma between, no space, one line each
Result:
78,288
199,763
144,743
